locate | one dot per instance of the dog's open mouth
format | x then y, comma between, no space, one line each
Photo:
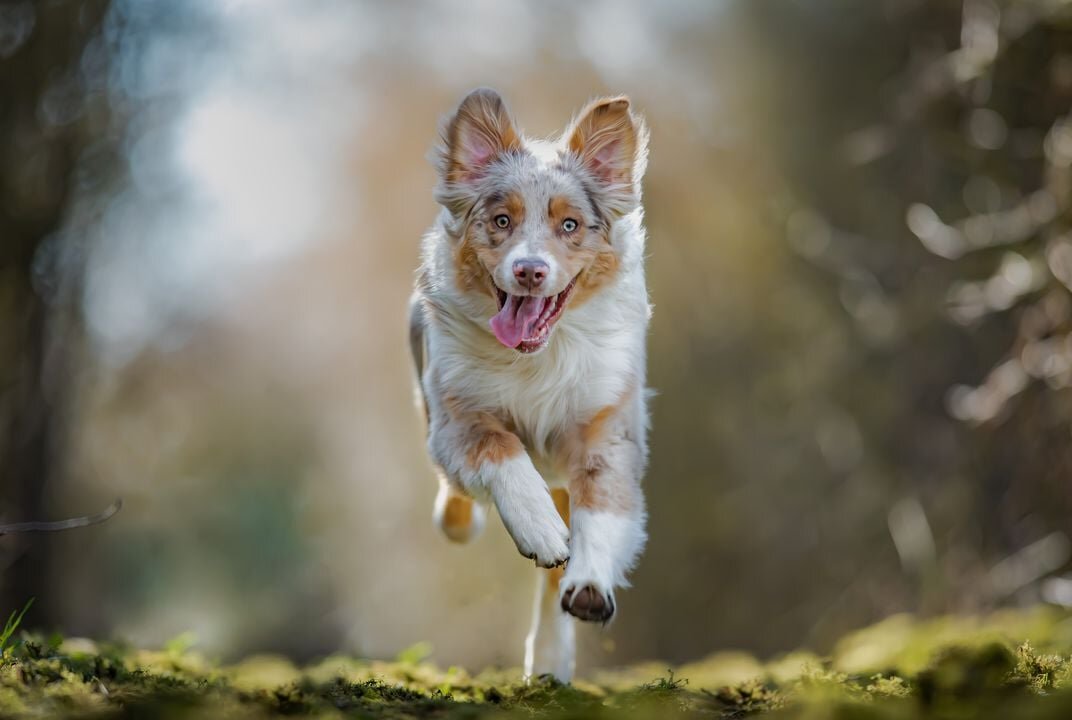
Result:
524,322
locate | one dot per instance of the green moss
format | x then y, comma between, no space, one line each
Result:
1041,672
1009,665
747,699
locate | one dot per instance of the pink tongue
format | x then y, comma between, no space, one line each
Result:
517,319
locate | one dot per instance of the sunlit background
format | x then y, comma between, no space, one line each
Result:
859,257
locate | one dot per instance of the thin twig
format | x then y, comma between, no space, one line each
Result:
56,525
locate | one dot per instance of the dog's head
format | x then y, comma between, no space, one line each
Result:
531,221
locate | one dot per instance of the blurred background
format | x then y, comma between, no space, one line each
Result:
860,262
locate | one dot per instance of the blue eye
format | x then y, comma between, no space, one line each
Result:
569,225
502,221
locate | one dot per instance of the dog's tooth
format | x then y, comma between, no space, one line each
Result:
548,310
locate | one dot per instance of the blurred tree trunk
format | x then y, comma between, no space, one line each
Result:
42,46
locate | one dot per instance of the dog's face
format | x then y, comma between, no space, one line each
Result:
532,221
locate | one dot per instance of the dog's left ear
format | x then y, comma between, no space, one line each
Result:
612,145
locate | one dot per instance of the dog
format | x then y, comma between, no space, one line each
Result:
528,327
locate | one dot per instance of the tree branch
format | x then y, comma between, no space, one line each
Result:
56,525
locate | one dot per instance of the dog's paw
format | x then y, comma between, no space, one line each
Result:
544,540
530,517
587,601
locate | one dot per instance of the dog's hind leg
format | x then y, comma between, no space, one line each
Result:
459,517
550,647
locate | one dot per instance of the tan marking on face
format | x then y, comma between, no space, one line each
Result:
585,254
558,210
475,260
596,276
469,271
514,205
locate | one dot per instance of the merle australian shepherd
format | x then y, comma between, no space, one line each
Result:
528,329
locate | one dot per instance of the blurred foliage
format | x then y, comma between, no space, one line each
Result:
819,413
37,160
947,133
970,668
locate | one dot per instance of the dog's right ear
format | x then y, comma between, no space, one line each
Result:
479,132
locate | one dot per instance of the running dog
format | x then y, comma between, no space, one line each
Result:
528,328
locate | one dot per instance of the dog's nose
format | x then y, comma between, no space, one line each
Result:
530,272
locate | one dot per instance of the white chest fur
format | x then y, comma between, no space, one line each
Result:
595,356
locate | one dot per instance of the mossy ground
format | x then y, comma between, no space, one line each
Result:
1007,665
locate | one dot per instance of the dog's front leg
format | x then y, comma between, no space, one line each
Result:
607,518
476,451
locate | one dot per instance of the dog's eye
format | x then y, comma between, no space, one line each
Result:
502,221
569,225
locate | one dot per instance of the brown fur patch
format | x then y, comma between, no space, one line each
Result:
592,432
486,437
511,204
593,484
561,498
458,513
473,257
469,271
453,404
591,487
587,435
599,273
558,210
585,253
488,440
514,205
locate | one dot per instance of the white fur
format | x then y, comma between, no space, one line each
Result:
603,548
529,248
550,646
527,510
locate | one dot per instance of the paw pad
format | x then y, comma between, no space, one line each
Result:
588,604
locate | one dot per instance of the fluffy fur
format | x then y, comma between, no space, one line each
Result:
528,330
